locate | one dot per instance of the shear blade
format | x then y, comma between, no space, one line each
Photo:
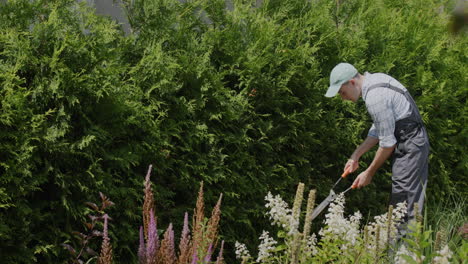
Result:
323,204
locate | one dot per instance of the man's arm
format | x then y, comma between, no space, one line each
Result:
380,108
365,177
366,145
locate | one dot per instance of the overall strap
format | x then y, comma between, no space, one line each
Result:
383,85
415,116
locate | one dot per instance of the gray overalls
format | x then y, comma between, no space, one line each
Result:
410,158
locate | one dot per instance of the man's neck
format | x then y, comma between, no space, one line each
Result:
359,81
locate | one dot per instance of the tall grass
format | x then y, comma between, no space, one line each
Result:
446,218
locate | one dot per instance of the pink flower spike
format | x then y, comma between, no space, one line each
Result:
171,243
185,230
184,244
219,260
207,258
153,241
148,174
194,258
142,248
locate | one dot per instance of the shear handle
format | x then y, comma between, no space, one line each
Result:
345,173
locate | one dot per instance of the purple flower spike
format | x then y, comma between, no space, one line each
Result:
184,247
142,248
219,260
207,258
171,242
185,230
194,257
153,241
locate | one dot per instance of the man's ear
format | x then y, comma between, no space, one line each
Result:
352,81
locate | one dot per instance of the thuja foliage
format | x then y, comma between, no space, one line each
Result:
69,128
228,92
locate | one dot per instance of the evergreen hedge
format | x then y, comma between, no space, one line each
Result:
226,93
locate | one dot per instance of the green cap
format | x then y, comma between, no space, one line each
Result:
342,73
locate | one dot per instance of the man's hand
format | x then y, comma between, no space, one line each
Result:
363,179
351,166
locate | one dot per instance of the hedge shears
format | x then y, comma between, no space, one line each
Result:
331,196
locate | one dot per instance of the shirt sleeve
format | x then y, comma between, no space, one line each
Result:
373,132
384,121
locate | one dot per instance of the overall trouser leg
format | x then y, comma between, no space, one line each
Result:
410,171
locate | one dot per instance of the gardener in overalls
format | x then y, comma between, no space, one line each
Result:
397,128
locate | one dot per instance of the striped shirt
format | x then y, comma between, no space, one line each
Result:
385,106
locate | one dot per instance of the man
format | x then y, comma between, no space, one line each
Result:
397,128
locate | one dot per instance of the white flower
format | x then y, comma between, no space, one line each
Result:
444,256
280,213
311,245
338,227
265,247
293,226
402,251
334,219
241,251
400,211
353,229
381,222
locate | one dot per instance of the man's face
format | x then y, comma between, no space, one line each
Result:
349,91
